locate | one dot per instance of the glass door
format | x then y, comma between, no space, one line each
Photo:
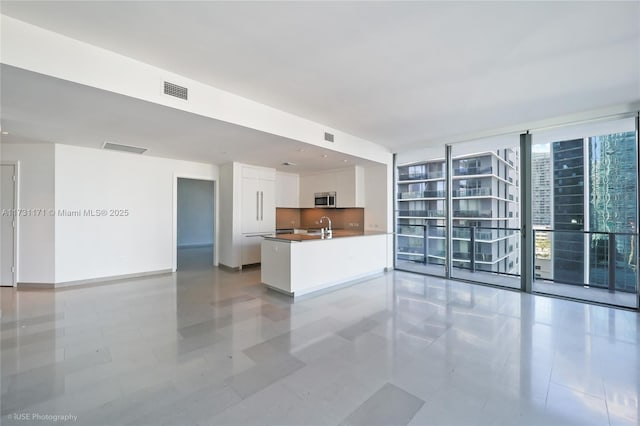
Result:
420,217
486,211
585,197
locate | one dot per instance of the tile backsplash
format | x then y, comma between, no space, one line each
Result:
287,218
351,218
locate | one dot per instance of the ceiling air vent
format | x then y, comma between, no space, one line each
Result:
175,90
125,148
328,137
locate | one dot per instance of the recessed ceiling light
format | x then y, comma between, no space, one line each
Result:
5,133
324,156
301,150
288,163
346,161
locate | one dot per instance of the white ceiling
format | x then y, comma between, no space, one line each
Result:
39,108
397,73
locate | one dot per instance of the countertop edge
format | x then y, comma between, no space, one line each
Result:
319,238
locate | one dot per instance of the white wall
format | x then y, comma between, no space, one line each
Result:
378,194
195,212
36,49
98,247
36,255
376,200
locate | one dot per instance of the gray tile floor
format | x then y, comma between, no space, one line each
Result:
210,347
592,294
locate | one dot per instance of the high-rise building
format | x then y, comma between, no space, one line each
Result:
485,211
612,207
568,211
541,188
594,187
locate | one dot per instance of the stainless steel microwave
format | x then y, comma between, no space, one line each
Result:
325,199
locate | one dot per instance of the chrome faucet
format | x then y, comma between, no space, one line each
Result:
328,232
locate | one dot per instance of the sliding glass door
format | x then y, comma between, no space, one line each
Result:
485,233
420,217
584,212
585,200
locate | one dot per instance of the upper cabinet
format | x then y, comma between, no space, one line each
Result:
349,185
287,190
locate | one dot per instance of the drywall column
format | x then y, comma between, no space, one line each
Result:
526,223
448,246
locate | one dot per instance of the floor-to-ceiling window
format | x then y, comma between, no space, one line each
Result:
485,232
420,233
586,177
584,199
485,237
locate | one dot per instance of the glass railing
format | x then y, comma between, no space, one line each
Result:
472,192
479,253
420,213
422,194
604,260
420,176
420,243
466,171
472,213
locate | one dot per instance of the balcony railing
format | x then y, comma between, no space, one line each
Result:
421,213
609,257
421,176
422,194
466,171
472,213
472,192
421,238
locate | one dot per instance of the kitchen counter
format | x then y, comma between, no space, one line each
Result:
339,233
318,264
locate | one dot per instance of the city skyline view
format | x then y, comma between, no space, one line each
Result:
584,198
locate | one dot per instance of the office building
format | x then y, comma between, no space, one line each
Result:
569,211
613,207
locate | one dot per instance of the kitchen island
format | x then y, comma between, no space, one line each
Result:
298,264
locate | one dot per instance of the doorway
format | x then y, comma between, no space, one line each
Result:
195,223
8,209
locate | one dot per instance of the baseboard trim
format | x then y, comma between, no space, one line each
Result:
92,281
35,286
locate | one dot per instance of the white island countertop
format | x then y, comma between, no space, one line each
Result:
298,264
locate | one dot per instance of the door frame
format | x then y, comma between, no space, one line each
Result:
216,214
16,206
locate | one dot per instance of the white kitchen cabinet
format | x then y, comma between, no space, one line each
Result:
258,206
247,210
258,201
347,183
287,190
251,248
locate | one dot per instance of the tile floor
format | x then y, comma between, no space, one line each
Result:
209,347
593,294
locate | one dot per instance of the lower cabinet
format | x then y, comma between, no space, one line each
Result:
251,244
